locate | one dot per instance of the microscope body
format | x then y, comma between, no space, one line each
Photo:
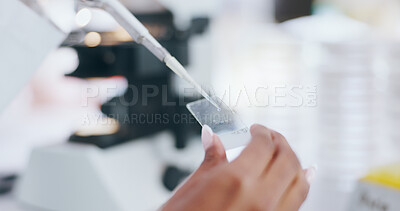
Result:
150,104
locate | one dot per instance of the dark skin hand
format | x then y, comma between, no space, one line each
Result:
266,176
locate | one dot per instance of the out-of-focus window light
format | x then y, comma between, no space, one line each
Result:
83,17
92,39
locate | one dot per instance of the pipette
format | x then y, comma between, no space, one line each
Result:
141,35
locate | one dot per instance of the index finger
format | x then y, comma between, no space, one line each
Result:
257,155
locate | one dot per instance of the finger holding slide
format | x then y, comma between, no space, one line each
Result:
258,153
297,193
283,170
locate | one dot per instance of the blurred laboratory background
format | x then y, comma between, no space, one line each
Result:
90,127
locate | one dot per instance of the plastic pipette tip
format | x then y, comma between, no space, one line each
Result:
212,102
177,67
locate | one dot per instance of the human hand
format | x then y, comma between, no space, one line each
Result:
266,176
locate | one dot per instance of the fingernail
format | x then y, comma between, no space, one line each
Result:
310,174
206,136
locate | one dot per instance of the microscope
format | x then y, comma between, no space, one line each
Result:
122,170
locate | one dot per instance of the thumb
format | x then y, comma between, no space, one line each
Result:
214,150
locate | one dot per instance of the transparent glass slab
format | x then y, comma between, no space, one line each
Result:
224,122
221,121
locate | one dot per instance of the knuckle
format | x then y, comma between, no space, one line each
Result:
280,144
278,136
284,149
257,127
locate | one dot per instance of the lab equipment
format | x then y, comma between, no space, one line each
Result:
141,35
81,177
287,9
150,82
378,190
126,176
348,112
224,122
